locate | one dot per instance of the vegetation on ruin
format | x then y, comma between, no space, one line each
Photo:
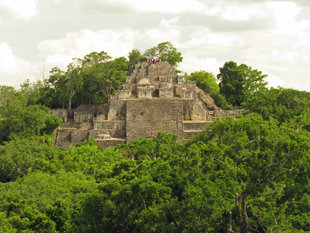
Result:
245,175
207,82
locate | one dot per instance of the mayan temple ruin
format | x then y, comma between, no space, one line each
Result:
154,98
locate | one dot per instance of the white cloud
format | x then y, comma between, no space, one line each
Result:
241,13
205,39
191,64
273,80
13,70
58,1
17,8
285,14
167,30
164,6
78,44
8,62
58,59
272,35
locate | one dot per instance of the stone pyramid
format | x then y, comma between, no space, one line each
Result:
154,98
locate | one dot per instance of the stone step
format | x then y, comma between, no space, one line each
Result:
70,125
111,139
194,125
68,128
103,136
191,131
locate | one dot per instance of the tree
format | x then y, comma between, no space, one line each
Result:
56,86
101,80
18,118
41,202
5,225
207,82
238,83
88,80
260,161
94,58
166,52
281,103
51,92
74,82
33,92
61,86
135,56
116,76
26,122
10,97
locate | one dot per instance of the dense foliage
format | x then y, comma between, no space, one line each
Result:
239,82
245,175
165,51
92,79
248,175
17,118
281,104
207,82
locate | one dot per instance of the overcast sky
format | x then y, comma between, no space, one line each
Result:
271,36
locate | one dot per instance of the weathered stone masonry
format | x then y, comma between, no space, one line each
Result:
153,99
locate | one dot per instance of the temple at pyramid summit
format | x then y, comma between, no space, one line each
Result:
154,98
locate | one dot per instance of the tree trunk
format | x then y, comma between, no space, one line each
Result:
70,101
229,229
69,104
241,208
245,227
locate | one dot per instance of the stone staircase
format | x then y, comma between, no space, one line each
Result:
190,128
105,140
102,136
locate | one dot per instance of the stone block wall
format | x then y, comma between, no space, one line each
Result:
61,114
79,136
63,137
117,109
80,117
187,109
116,129
145,116
194,126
